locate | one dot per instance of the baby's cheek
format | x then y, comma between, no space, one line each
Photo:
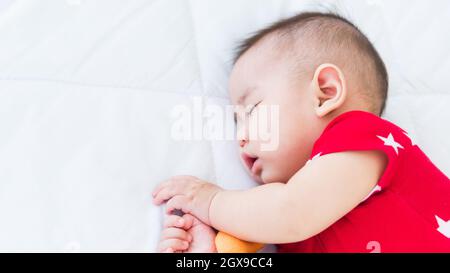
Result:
292,161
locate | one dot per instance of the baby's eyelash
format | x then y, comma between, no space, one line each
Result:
249,112
253,108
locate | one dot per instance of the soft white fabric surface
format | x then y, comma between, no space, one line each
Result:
87,88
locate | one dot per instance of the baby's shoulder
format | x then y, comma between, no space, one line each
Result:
361,131
360,122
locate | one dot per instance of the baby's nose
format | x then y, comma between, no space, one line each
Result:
242,143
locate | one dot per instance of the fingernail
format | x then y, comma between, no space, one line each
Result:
189,237
180,222
169,250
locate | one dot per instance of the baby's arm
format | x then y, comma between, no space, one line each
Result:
321,193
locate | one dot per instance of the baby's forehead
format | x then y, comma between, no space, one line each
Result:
261,64
272,47
266,53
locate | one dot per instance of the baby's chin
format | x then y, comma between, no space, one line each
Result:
258,178
268,176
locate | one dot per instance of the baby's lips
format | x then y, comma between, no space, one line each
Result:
248,160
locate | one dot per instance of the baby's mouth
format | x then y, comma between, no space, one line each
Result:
252,163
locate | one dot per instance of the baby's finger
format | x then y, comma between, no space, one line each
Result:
181,181
174,181
169,250
160,187
178,202
174,244
164,194
174,221
189,221
169,191
175,233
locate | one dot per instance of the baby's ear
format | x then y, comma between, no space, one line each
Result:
329,89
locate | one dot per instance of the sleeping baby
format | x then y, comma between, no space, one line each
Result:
342,179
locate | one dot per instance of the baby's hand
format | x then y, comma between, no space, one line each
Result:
186,234
174,236
188,194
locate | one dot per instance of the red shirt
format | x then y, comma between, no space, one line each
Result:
408,210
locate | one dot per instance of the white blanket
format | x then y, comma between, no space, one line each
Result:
87,88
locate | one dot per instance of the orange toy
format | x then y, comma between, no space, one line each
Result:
226,243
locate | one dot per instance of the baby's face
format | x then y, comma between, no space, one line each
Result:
263,80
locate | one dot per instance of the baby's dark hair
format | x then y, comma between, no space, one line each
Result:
314,38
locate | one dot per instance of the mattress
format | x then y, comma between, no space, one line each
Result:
88,89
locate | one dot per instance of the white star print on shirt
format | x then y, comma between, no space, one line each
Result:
390,141
376,189
413,142
316,156
444,227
